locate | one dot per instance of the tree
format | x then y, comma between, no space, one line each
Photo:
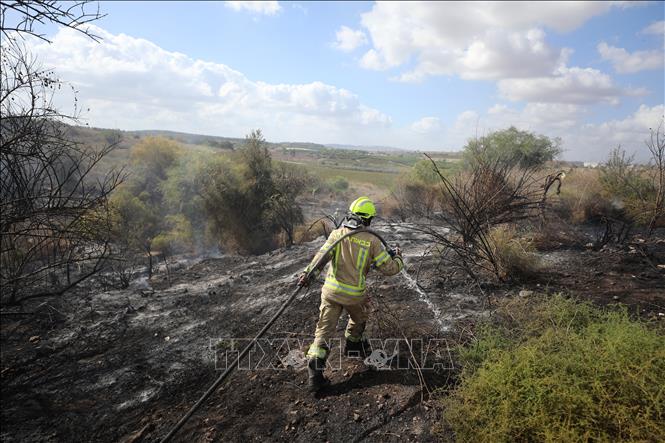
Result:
135,225
656,146
151,160
250,203
53,217
513,148
74,15
283,208
183,193
258,189
257,164
225,204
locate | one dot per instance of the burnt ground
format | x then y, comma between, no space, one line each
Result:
125,365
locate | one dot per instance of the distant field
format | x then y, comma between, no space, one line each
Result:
383,180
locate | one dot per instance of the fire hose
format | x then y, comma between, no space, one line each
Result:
263,330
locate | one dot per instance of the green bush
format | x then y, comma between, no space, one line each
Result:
512,147
557,370
423,171
339,183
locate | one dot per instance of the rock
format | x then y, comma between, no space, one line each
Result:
167,338
525,293
356,416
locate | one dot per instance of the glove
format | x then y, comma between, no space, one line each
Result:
303,280
397,252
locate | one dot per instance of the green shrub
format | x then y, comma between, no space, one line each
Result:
339,183
560,371
512,147
423,171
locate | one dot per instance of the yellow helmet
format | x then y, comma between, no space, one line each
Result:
363,208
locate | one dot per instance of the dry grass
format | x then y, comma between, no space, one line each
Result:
513,254
311,231
582,198
555,234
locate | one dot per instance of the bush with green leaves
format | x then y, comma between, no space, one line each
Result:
558,370
512,147
197,200
251,200
339,183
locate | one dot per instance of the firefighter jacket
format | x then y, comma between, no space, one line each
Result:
350,261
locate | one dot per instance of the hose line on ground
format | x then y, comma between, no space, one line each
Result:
265,328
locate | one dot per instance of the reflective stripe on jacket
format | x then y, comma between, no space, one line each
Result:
351,260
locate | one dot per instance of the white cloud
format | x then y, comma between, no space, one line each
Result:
467,120
625,62
132,83
471,39
547,117
348,39
372,60
656,28
256,7
568,85
594,141
495,55
427,125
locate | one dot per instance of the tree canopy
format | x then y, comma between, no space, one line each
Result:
513,148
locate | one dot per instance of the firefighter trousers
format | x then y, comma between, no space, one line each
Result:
329,313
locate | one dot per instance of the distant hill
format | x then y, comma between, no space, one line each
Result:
129,138
372,148
330,156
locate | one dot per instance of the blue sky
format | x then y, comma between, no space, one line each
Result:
411,75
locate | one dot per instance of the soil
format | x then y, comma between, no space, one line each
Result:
126,365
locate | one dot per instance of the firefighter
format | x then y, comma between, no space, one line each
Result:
344,286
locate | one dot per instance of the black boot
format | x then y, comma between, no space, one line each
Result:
357,349
316,380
